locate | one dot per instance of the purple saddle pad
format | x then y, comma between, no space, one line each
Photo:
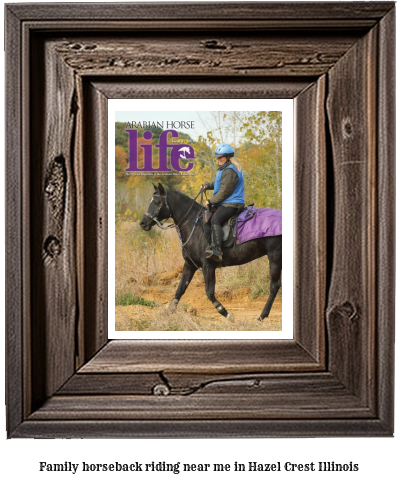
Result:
267,222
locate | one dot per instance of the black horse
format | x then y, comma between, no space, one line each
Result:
185,213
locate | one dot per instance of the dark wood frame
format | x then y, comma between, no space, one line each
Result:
336,376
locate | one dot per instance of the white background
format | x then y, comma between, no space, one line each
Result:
377,458
204,105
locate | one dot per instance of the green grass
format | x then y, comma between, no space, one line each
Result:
129,299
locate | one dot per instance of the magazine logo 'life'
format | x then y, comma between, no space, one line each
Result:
178,151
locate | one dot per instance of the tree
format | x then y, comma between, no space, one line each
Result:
256,138
121,162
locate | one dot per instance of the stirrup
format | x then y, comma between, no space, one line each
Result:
214,254
208,251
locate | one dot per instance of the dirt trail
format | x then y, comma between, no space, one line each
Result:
162,287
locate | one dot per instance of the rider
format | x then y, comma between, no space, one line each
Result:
228,196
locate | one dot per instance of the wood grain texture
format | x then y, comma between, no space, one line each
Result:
352,125
15,207
232,398
308,160
194,87
184,384
205,407
54,270
111,384
192,428
310,200
200,356
385,245
95,202
120,26
282,11
261,54
336,60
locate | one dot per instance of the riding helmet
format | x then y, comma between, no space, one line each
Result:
224,150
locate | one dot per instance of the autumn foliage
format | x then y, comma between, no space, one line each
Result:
256,137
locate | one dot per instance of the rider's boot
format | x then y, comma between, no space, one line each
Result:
215,253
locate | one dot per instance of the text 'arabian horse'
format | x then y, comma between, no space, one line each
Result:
185,213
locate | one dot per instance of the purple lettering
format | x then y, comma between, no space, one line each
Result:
163,149
147,152
181,151
132,150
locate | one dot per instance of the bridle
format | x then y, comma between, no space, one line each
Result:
164,201
154,217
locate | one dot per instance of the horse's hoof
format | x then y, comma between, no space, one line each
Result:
173,305
260,319
230,317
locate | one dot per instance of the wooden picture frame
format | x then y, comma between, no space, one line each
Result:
335,378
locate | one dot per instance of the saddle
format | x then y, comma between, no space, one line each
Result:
228,228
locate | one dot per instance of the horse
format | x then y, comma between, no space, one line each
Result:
185,213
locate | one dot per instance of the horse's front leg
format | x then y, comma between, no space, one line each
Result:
188,273
210,283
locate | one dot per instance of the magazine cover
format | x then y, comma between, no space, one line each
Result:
196,216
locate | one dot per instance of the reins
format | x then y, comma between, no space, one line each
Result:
201,192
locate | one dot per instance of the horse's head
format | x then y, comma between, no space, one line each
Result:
158,209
